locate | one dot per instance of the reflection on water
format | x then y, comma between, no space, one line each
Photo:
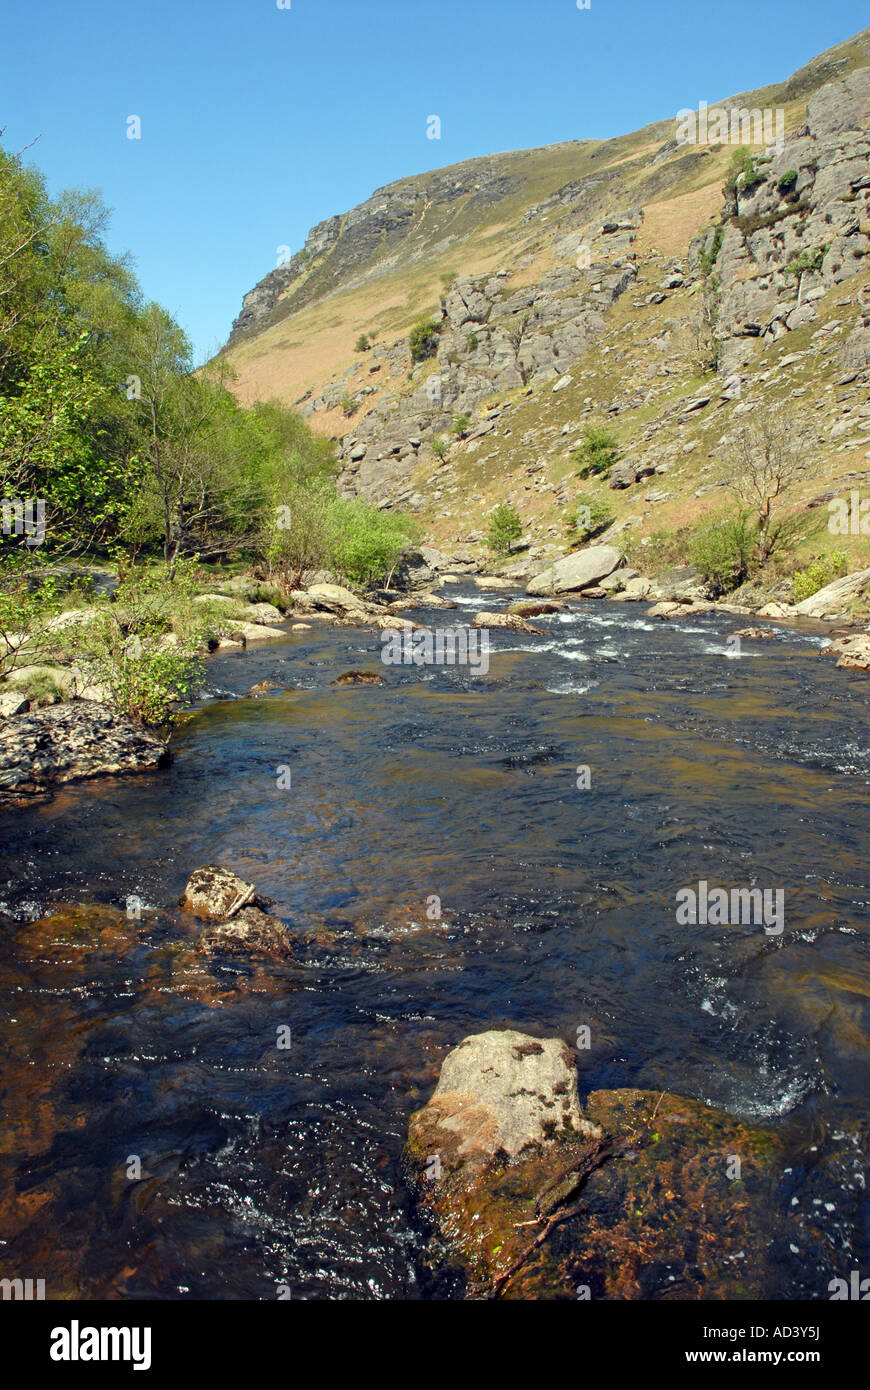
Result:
262,1166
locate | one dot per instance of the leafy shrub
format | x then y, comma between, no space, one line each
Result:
471,342
440,446
505,527
461,425
423,339
786,184
132,651
362,343
598,452
592,516
348,406
820,572
722,550
368,543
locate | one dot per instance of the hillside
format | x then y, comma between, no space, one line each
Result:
567,283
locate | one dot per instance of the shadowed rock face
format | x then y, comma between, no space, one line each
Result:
639,1194
70,741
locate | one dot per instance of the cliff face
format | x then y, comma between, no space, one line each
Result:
574,285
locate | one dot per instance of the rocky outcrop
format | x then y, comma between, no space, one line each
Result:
797,229
581,570
67,742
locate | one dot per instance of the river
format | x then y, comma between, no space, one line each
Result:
264,1167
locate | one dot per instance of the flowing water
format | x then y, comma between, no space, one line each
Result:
266,1166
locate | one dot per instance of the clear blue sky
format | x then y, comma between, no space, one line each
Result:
258,122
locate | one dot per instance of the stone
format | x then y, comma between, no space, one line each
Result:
359,678
72,741
249,930
300,627
334,597
257,632
577,571
11,703
500,1092
511,621
492,581
503,1147
528,608
263,688
833,596
212,891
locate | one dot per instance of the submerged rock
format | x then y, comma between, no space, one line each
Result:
66,742
359,678
250,930
637,1195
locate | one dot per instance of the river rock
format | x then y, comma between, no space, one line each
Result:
504,1153
493,582
581,570
249,930
528,608
359,678
334,598
11,703
212,891
66,742
257,632
512,621
499,1092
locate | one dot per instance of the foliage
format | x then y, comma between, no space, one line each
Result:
134,651
28,602
820,572
722,549
461,425
423,339
440,446
368,543
597,453
505,527
589,517
362,343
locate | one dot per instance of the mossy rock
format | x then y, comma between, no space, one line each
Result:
687,1211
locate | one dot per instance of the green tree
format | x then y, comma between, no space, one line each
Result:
505,527
597,453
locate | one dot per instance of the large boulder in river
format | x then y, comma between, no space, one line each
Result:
582,570
334,598
637,1195
512,621
66,742
499,1092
